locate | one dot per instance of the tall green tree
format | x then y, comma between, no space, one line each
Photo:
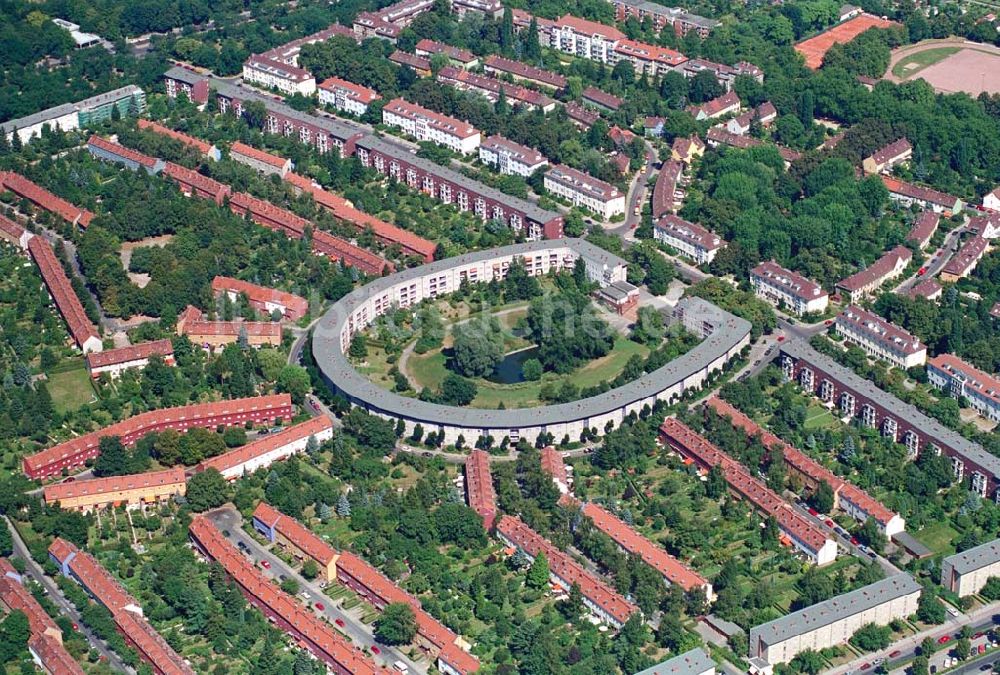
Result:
397,625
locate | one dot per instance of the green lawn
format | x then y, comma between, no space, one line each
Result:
70,389
938,537
917,62
818,416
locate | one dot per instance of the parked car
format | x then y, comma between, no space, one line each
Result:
376,650
944,639
854,541
265,564
895,654
866,666
320,606
339,622
813,512
830,523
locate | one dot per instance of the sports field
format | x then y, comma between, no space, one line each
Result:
950,65
815,48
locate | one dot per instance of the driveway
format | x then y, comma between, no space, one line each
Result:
228,519
66,607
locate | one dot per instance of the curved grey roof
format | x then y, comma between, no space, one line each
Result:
728,331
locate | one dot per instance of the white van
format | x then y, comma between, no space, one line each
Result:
401,667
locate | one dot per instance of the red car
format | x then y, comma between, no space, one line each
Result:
376,650
978,635
895,654
266,565
76,626
944,639
828,322
781,338
320,607
339,622
982,649
813,512
830,523
854,541
922,271
866,666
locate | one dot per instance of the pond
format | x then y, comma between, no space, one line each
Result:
508,371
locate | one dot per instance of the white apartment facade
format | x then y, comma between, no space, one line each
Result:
585,39
346,96
963,380
779,286
880,338
692,240
967,572
283,77
510,158
585,191
427,125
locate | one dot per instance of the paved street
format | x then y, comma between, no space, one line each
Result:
56,596
945,253
228,519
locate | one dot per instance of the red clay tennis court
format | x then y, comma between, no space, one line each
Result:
815,48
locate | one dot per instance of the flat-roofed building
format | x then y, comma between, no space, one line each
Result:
846,496
967,572
832,622
129,100
966,259
479,487
694,241
881,339
901,422
583,38
262,298
585,191
884,159
263,70
648,59
780,286
924,227
269,448
796,530
602,600
662,17
296,538
212,335
427,125
509,157
346,96
621,296
963,380
694,662
258,160
81,329
74,453
867,282
133,490
115,361
492,8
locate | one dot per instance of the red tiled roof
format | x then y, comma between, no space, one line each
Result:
716,105
740,481
577,112
258,155
522,153
429,628
54,656
100,486
525,71
567,569
62,292
271,329
265,444
888,153
925,289
602,98
579,181
719,134
484,83
44,199
293,303
636,544
265,213
326,244
803,463
11,228
297,533
984,384
151,645
121,151
321,638
552,464
793,282
95,578
197,181
924,227
411,60
690,232
131,353
963,261
879,330
924,194
385,232
449,125
479,487
14,595
647,52
585,27
190,141
184,417
877,271
433,47
358,93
